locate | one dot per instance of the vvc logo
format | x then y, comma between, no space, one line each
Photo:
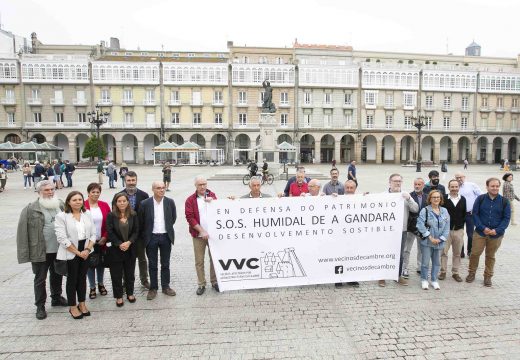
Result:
239,264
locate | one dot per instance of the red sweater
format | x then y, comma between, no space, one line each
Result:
297,189
191,210
105,209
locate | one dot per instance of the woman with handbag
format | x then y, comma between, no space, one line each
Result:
434,225
122,230
99,211
76,234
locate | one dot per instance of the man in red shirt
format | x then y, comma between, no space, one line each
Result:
197,217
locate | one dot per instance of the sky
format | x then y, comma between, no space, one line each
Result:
417,26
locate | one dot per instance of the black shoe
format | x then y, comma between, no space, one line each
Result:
338,285
61,301
84,313
215,287
132,300
353,283
76,317
200,290
462,255
40,312
120,304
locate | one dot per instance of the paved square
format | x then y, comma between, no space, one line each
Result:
462,321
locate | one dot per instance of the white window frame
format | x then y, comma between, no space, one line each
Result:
128,119
11,120
327,120
218,98
446,104
307,98
428,122
196,97
284,119
347,99
464,123
105,95
175,97
408,122
389,100
242,98
446,123
197,119
128,95
369,122
37,117
307,120
347,117
465,103
284,98
429,101
327,98
175,118
389,121
371,98
218,119
82,118
242,119
409,99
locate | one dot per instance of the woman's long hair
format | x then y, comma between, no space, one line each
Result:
115,210
67,209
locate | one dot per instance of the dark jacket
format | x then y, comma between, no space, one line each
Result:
140,195
429,187
30,242
492,214
39,170
457,213
412,217
115,237
146,217
191,210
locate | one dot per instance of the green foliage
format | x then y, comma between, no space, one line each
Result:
92,147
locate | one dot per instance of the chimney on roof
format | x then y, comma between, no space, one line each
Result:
114,43
230,44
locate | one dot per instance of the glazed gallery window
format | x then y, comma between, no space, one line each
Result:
175,118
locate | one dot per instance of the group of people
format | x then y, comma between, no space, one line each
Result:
49,170
60,238
138,228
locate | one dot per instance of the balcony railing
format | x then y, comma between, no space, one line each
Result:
500,109
105,102
515,110
284,105
79,102
57,101
127,102
485,108
174,102
8,101
54,124
247,125
35,101
217,103
242,104
149,102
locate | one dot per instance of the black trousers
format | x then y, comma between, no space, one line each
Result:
77,277
40,270
123,262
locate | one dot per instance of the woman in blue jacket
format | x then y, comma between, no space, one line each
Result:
434,225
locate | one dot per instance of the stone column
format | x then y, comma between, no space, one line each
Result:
317,152
397,152
505,151
119,152
72,152
489,153
357,150
379,154
140,152
454,152
337,151
437,152
473,152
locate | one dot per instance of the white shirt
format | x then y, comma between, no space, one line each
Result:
80,227
203,212
455,200
470,191
97,217
159,227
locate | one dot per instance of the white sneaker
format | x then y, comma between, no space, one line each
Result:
424,284
25,187
435,285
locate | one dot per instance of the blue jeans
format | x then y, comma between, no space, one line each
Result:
401,254
100,271
123,182
429,253
159,242
27,180
111,180
69,179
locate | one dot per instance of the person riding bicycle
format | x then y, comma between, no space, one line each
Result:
253,168
265,170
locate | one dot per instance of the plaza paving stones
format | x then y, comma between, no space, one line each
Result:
462,321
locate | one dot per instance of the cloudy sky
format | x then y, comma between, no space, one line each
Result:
432,26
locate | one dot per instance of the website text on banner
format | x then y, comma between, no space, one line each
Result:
260,243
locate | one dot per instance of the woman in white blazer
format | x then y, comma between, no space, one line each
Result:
76,234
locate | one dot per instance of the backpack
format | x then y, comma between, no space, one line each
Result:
481,197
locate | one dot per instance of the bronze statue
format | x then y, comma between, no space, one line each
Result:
267,105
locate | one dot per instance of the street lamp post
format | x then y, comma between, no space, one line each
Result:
419,125
98,118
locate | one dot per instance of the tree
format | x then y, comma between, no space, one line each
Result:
92,146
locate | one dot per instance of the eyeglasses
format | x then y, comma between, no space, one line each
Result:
435,197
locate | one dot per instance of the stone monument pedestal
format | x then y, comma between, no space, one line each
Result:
268,139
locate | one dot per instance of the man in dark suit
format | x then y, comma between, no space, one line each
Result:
157,216
136,196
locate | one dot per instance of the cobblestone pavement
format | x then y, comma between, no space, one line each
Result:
462,321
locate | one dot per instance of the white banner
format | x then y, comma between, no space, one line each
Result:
271,242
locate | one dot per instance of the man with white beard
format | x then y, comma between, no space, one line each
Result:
36,243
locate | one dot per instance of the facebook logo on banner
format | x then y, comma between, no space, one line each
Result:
338,269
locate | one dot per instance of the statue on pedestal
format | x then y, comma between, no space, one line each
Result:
267,105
